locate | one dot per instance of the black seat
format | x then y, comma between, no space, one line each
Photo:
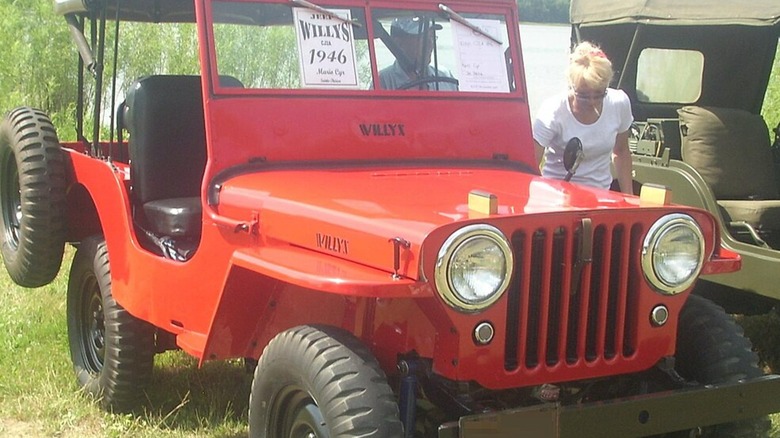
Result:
167,147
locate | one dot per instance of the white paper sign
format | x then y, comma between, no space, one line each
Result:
326,49
481,65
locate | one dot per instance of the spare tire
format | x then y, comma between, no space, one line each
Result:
32,197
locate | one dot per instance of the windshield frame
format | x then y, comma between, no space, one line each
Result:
210,67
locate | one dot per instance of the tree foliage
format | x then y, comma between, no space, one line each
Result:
544,11
277,43
36,59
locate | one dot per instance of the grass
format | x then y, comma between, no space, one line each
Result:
771,108
764,333
39,395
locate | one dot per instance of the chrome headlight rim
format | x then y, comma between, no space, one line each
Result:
453,243
654,235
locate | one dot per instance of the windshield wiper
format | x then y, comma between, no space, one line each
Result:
321,10
459,18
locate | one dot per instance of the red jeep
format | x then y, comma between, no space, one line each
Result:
347,193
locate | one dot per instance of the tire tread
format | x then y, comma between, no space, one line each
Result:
28,137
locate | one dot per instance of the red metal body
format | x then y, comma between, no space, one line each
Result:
229,300
304,191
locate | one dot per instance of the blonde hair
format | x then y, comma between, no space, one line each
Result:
589,65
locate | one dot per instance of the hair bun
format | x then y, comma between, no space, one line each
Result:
590,64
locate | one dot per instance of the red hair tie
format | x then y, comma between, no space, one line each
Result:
598,53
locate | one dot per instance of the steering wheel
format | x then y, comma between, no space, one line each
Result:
427,80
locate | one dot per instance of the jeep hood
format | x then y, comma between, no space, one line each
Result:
355,214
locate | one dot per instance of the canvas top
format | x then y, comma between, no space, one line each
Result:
676,12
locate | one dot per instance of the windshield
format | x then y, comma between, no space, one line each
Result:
299,45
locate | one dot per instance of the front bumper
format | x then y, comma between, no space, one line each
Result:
628,417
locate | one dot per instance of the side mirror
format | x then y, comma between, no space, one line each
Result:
572,156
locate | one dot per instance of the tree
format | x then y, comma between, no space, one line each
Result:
544,11
37,65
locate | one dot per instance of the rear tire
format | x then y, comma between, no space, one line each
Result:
32,197
112,351
711,349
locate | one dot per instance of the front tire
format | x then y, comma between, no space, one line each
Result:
320,382
712,349
32,197
112,351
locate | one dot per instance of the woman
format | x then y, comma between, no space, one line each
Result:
599,116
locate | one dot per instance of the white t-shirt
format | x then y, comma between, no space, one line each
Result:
555,125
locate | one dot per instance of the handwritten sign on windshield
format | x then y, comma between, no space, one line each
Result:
326,49
481,65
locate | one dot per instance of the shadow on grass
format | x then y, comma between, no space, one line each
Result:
183,397
764,333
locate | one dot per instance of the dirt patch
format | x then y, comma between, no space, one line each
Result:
13,428
18,429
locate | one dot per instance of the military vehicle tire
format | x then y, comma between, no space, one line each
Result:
32,197
112,351
712,348
325,364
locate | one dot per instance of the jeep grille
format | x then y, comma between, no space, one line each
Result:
558,316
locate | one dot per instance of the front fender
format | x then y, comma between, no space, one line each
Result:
759,267
317,289
312,270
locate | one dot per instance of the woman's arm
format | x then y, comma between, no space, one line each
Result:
621,157
539,153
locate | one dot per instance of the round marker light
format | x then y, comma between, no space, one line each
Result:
483,333
659,315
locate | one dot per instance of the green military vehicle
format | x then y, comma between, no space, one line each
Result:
697,73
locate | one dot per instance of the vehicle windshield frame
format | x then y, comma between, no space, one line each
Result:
516,82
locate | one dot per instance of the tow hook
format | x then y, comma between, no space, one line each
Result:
666,365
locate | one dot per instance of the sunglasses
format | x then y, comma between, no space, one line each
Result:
589,97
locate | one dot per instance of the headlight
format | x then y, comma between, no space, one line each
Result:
474,267
673,253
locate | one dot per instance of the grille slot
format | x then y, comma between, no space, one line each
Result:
564,310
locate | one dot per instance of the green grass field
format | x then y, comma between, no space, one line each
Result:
771,110
39,396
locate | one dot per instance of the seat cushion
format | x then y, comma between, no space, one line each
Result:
730,149
175,217
762,215
167,144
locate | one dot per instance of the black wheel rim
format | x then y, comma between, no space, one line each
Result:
12,202
92,326
296,415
